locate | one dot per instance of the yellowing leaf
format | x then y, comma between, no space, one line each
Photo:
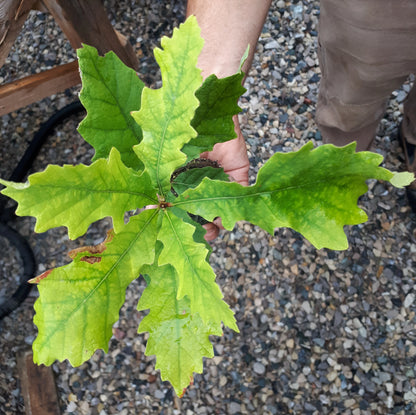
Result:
166,113
76,196
178,338
79,302
314,192
196,279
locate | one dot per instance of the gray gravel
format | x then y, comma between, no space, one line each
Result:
322,332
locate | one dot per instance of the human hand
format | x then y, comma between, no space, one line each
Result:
232,157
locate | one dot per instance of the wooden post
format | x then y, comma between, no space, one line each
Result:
38,387
82,21
25,91
86,21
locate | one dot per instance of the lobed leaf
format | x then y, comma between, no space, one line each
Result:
166,113
79,302
76,196
213,119
178,338
196,279
110,91
314,192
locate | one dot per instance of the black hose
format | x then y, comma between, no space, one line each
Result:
6,214
29,269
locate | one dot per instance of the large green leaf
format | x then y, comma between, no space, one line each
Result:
110,91
76,196
314,192
79,302
196,279
166,113
178,338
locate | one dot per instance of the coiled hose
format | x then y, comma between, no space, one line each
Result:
6,214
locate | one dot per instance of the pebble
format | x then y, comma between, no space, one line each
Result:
234,408
409,396
274,44
71,407
259,368
159,394
409,300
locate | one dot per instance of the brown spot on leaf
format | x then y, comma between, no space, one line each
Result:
40,277
91,259
93,249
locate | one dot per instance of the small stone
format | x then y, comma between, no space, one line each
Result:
320,342
384,377
159,394
118,334
72,398
324,399
309,407
401,96
274,44
409,396
331,376
29,339
72,407
307,307
229,263
259,368
349,403
234,408
290,343
223,381
362,331
389,387
409,300
310,61
366,367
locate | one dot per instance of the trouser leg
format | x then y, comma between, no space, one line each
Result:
366,50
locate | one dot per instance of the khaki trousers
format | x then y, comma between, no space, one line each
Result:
367,49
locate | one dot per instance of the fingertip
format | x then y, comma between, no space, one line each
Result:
212,231
218,224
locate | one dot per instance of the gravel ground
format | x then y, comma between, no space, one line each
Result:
322,332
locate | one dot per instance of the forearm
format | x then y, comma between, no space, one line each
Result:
228,27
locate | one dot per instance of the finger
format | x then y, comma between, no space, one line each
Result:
212,231
218,223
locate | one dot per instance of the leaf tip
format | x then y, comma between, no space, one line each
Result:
402,179
40,277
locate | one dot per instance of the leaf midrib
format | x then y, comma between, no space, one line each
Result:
92,190
205,284
127,118
246,195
